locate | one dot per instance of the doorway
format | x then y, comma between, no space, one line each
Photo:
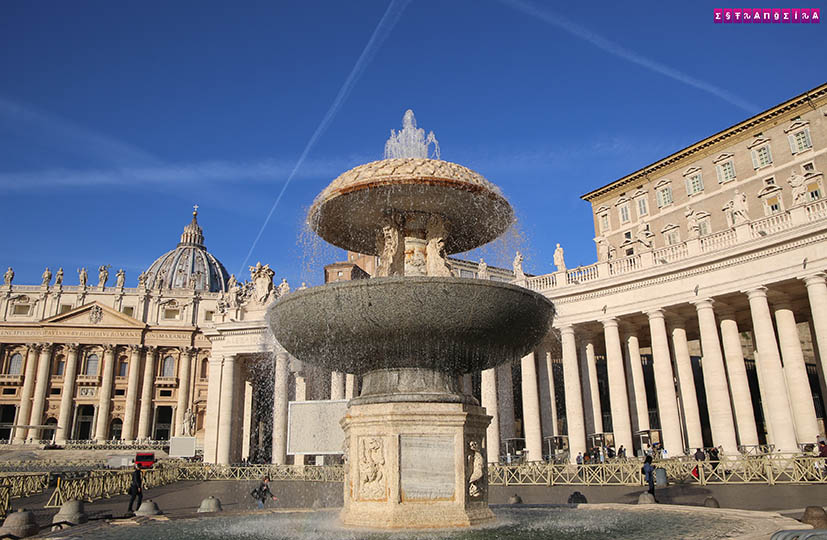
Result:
163,423
83,425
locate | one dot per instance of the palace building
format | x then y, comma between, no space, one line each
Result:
703,322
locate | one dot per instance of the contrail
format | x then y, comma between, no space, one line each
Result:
383,29
621,52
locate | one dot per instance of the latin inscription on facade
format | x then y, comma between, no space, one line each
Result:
427,467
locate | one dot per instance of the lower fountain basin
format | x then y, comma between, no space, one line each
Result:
456,325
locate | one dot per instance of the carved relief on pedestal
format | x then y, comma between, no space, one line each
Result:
372,482
475,470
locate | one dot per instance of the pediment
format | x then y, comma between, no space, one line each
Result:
94,314
798,123
723,157
669,227
602,209
691,170
758,141
662,182
639,193
622,200
768,190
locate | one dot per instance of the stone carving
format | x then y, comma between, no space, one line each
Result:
59,276
83,277
604,249
87,391
103,275
142,278
738,208
194,278
436,259
692,227
262,279
188,427
475,470
389,246
559,259
644,235
47,277
518,267
8,277
95,314
284,287
371,469
303,287
482,270
120,278
799,186
231,283
410,142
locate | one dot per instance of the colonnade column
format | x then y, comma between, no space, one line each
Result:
738,383
505,401
281,375
64,418
337,385
531,408
42,383
635,367
467,382
817,294
618,399
211,427
25,411
128,432
773,388
686,383
592,392
301,395
226,411
574,402
715,382
247,420
795,371
665,384
105,397
183,391
351,390
147,388
488,395
552,394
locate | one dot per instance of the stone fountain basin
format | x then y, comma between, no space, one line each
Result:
455,325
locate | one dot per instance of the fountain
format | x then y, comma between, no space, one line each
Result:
414,443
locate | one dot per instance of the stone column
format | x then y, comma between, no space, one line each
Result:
226,412
505,401
25,411
301,395
337,385
133,377
350,386
686,383
574,401
247,420
282,375
105,397
147,389
213,402
798,383
618,399
737,374
548,396
817,294
715,382
635,367
183,403
41,386
590,385
670,421
488,394
67,395
773,390
531,408
467,384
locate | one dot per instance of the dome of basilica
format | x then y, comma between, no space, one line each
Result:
189,265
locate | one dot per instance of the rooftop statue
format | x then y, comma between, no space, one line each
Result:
8,276
83,277
799,186
59,276
482,270
47,277
559,259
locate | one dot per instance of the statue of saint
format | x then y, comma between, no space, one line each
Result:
103,275
59,276
8,277
692,227
284,287
604,249
643,234
482,270
47,277
120,278
799,186
559,259
739,208
142,277
303,287
188,427
435,257
518,266
387,244
83,277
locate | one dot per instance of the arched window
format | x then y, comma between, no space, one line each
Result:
59,365
91,365
15,364
123,366
204,367
168,367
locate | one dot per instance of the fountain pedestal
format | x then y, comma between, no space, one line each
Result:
415,465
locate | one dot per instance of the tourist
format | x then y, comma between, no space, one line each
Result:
664,454
621,452
136,489
700,455
822,449
579,458
649,474
262,492
714,458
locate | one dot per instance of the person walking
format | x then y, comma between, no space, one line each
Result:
700,455
649,475
262,492
136,488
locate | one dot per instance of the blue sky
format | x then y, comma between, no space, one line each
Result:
117,117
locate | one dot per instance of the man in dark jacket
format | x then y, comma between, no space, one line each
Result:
262,492
136,488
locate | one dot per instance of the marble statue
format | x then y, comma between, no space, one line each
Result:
799,187
482,270
234,294
436,260
738,207
103,275
644,235
692,227
371,469
142,280
476,470
120,278
8,277
83,277
559,259
284,287
188,427
47,277
59,276
262,279
518,267
231,282
388,247
604,249
303,287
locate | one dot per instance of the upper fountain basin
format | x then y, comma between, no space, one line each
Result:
456,325
349,212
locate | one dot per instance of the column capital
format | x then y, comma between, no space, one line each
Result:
567,329
72,347
656,313
704,303
135,348
192,351
151,350
756,292
611,322
35,347
46,347
109,348
816,278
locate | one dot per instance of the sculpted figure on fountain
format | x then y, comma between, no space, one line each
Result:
475,470
389,245
437,264
371,469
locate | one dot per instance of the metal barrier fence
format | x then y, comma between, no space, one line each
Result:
13,486
305,473
107,483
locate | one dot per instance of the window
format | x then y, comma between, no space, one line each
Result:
627,235
60,366
726,171
694,184
21,309
15,364
809,167
204,368
54,391
172,313
664,196
630,252
800,141
813,191
624,213
340,273
761,157
9,391
168,367
769,181
208,315
604,222
91,365
65,308
123,367
165,393
467,273
642,207
120,392
773,205
129,311
704,227
673,237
